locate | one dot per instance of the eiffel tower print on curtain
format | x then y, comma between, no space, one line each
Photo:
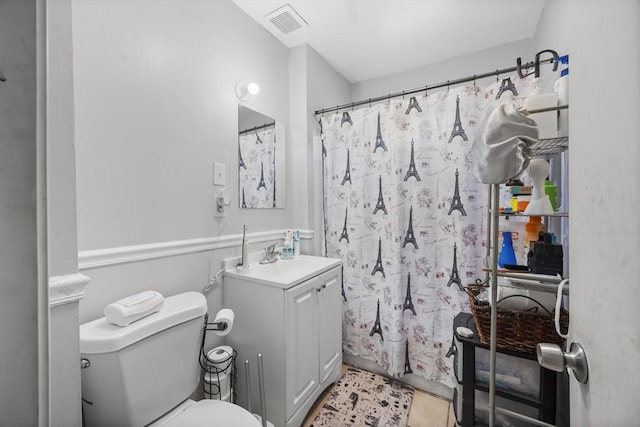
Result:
379,140
457,125
346,118
378,266
324,148
261,183
377,328
410,237
408,303
380,203
507,85
456,202
344,234
413,103
347,173
412,171
244,203
258,139
407,365
240,161
455,277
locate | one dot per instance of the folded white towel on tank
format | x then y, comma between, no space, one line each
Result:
134,307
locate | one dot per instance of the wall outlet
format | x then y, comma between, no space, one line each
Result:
219,174
219,208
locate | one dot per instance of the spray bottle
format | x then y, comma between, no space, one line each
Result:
561,87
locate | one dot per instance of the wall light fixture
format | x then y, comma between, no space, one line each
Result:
243,90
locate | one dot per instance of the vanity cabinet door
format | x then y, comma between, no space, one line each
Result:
301,352
330,323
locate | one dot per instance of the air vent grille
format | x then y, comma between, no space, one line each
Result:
285,22
286,19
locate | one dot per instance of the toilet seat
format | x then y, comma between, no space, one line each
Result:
213,413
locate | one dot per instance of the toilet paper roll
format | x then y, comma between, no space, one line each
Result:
217,385
225,315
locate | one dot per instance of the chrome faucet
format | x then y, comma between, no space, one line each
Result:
270,255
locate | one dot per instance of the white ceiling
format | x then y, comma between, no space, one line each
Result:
365,39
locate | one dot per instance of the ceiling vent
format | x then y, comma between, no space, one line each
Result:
286,19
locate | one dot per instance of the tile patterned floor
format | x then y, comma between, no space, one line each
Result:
427,410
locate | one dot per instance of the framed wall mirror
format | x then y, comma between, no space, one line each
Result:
261,160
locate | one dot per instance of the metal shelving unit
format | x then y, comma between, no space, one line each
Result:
546,149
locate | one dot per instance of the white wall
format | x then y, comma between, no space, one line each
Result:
62,228
604,131
155,107
19,293
487,60
314,84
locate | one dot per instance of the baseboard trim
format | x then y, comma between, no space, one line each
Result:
67,289
135,253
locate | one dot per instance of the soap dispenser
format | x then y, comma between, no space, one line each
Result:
287,249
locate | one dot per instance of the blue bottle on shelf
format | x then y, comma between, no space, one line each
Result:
507,254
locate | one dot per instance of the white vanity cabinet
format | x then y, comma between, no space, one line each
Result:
291,313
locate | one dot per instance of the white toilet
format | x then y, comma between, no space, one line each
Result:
144,373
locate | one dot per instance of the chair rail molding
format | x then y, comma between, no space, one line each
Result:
67,289
124,254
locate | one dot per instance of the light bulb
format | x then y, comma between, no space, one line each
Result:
253,88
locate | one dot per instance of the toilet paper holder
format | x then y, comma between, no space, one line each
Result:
222,323
219,364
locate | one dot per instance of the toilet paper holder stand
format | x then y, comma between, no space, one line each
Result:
215,371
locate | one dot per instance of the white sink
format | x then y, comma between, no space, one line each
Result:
285,273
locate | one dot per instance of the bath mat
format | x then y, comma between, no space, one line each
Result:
361,398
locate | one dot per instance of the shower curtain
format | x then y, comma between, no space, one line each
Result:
408,219
257,168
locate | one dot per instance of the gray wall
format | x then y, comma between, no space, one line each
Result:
322,86
155,107
503,56
19,314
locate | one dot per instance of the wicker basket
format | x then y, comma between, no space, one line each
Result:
516,330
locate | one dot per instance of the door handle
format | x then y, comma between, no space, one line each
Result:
552,357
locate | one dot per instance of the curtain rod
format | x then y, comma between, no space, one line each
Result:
257,128
472,78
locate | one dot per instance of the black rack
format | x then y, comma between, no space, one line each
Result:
214,371
464,401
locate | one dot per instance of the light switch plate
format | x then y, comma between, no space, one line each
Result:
219,174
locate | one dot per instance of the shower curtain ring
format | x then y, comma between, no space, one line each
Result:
474,80
497,75
426,91
447,85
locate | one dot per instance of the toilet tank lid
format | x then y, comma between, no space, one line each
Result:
100,336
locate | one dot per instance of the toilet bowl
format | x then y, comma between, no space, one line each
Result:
207,413
133,375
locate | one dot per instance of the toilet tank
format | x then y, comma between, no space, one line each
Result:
139,372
